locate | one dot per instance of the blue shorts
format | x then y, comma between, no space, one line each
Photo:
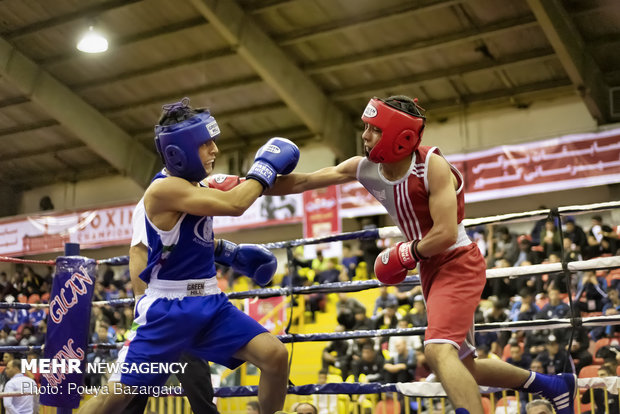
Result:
208,327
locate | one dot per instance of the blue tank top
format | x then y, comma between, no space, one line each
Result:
183,252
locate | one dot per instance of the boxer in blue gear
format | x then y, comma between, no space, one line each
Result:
183,310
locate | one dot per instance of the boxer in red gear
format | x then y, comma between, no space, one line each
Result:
423,193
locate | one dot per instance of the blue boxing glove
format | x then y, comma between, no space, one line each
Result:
251,260
277,156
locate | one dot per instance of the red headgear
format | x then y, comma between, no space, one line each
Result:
401,131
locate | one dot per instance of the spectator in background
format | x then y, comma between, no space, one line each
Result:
338,354
524,309
252,407
345,310
517,357
412,341
602,403
553,358
369,367
418,315
535,342
575,233
537,366
539,225
19,383
386,319
525,251
612,307
593,290
401,365
550,238
369,248
384,300
506,246
599,230
572,253
539,407
555,308
579,350
349,260
362,322
498,313
305,408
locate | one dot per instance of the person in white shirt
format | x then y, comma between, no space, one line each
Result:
18,382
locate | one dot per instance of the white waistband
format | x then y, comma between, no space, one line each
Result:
462,239
176,289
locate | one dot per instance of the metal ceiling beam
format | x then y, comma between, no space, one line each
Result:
427,45
167,66
507,62
296,89
383,15
85,13
223,87
103,136
501,97
578,63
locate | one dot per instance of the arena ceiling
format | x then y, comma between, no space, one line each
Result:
303,69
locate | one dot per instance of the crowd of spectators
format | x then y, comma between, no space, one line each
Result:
396,358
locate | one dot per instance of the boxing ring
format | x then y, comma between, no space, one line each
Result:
427,394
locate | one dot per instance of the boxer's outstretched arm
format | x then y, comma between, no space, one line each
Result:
299,182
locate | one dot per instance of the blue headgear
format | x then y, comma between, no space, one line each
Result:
178,143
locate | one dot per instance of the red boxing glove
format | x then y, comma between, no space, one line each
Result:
224,182
392,265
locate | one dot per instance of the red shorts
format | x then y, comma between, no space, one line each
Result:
452,283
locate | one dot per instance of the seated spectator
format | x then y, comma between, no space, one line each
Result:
572,253
537,366
550,238
422,369
405,294
517,357
612,307
338,354
345,310
575,233
506,246
413,341
362,322
401,365
386,319
591,291
535,342
305,408
384,300
350,260
553,358
579,348
369,367
600,230
525,251
330,274
498,313
524,309
602,403
539,407
418,315
252,407
555,308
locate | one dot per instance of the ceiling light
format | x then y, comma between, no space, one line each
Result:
92,42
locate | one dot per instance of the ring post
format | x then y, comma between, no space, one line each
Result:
68,326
